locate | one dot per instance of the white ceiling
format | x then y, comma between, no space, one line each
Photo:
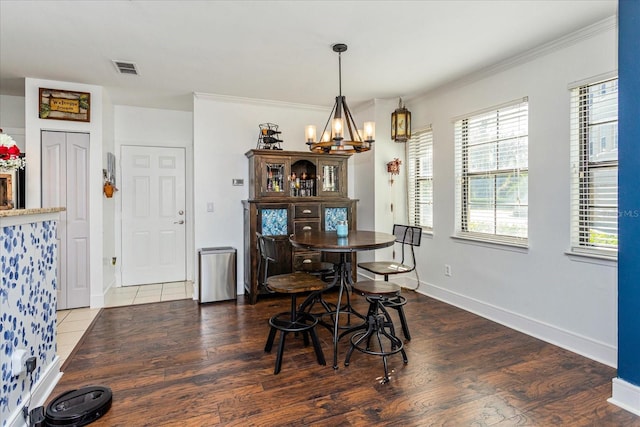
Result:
278,50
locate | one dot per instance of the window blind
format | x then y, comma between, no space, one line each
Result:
420,178
594,168
492,162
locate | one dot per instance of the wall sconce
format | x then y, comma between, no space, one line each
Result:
393,167
401,123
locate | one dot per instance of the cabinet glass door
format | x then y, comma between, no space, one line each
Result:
332,182
330,178
275,177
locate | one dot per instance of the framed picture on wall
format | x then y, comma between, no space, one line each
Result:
65,105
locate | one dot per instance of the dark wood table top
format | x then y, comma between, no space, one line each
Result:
328,241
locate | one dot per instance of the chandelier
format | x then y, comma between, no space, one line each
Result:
333,140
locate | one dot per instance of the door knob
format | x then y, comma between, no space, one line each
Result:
180,212
179,222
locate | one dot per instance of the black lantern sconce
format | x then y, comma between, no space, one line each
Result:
401,123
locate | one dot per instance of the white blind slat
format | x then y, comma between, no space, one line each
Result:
492,174
594,167
420,179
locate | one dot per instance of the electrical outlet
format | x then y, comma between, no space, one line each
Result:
447,270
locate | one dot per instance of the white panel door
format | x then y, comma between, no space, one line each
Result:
153,215
65,177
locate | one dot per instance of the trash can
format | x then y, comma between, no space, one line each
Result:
217,274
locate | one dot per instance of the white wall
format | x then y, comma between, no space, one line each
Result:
224,129
370,180
565,300
33,126
12,118
109,205
156,128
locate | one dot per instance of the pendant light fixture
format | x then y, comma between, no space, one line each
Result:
334,139
401,123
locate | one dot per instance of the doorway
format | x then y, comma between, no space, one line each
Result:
65,177
153,215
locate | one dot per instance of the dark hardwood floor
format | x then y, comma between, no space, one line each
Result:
184,364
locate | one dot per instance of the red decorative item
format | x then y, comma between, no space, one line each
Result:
393,167
10,159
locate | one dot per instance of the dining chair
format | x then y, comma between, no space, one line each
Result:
408,237
294,320
266,256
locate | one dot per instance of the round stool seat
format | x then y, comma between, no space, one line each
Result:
294,283
377,288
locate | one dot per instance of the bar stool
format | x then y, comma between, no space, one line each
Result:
292,320
378,324
407,236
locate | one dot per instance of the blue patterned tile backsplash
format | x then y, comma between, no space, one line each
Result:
332,216
274,222
28,258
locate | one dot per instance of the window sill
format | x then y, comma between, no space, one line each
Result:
504,246
593,258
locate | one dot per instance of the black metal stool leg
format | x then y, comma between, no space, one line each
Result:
403,321
283,334
365,335
272,336
317,347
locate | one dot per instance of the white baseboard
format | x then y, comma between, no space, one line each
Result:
584,346
626,396
40,393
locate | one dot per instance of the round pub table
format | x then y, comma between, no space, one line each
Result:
328,241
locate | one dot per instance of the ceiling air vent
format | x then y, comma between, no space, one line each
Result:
125,67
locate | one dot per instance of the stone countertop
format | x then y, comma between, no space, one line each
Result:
18,212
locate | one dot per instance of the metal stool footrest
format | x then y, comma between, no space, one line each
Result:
286,323
303,322
380,326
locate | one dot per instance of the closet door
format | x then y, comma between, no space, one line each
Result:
65,176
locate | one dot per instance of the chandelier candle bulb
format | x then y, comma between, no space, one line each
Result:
310,132
337,128
369,131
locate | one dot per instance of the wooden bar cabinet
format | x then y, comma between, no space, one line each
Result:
290,192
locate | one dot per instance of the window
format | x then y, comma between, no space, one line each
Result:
594,168
492,167
420,176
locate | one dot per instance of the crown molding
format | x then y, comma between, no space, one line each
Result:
256,101
526,56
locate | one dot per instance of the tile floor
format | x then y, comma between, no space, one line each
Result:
71,324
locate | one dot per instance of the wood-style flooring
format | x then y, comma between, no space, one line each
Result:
184,364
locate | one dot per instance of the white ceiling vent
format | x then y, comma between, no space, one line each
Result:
126,67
